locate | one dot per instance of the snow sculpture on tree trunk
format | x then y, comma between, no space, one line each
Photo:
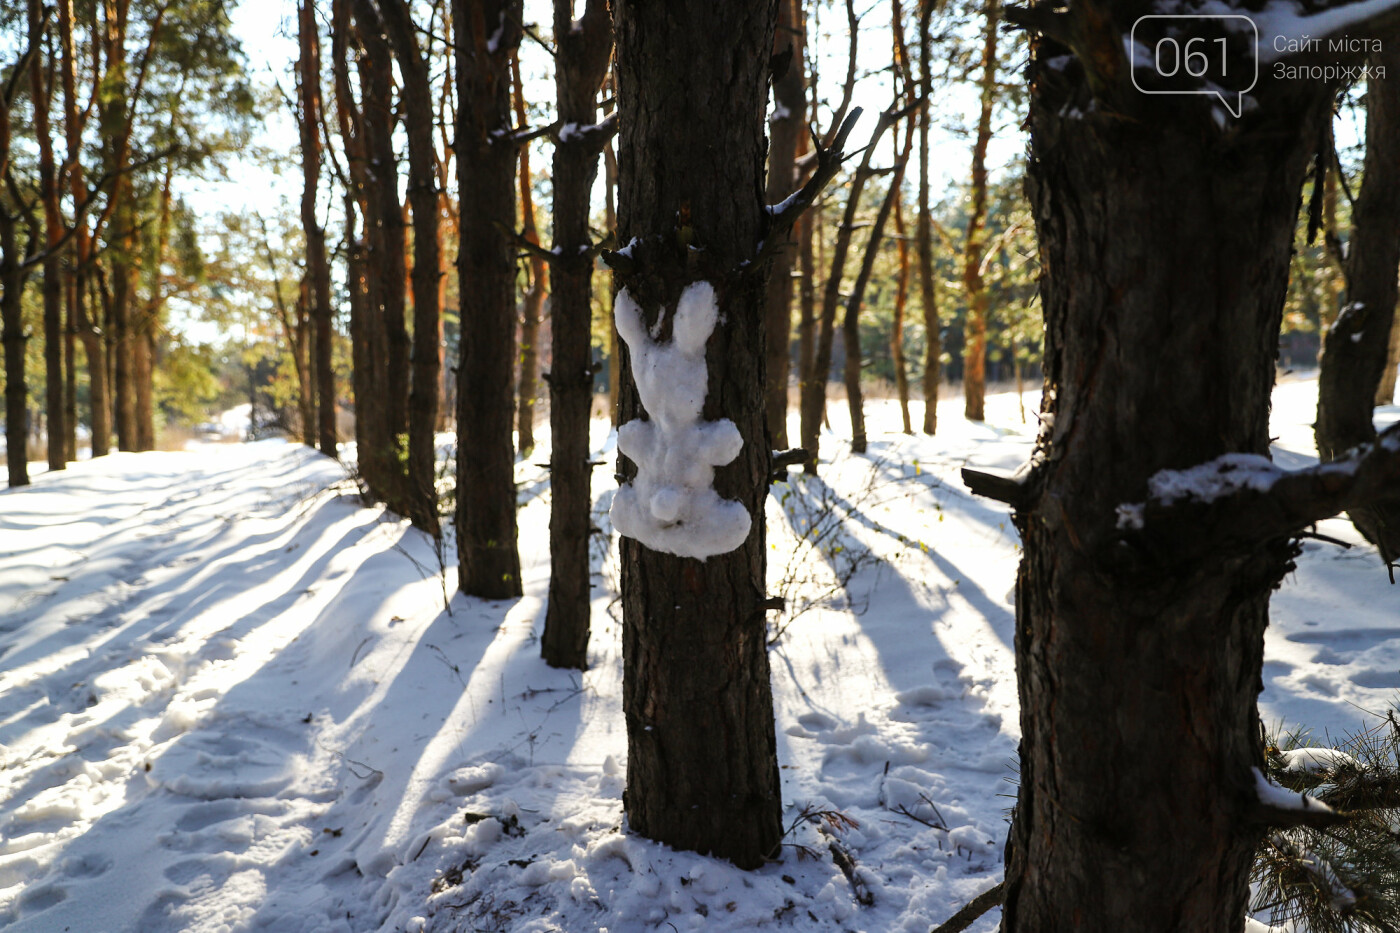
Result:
672,505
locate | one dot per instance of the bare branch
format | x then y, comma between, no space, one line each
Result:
1250,503
975,908
786,214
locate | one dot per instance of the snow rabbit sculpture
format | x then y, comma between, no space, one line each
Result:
672,505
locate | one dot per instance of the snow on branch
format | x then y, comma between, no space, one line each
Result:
672,505
1281,807
1236,501
786,213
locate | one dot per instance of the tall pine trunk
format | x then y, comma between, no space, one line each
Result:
13,337
385,229
535,291
80,324
580,63
813,400
487,33
692,89
423,196
933,342
1139,660
367,379
320,384
851,323
41,93
975,242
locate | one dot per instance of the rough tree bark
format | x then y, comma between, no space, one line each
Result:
789,127
1356,347
489,563
975,241
933,342
1139,652
581,60
533,304
423,196
692,88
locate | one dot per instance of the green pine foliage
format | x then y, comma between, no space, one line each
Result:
1343,878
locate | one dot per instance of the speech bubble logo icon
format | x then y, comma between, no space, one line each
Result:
1186,53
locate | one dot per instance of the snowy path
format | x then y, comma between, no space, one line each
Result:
231,699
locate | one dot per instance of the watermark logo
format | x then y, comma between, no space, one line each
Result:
1213,54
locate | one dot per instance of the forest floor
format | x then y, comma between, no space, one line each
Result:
233,700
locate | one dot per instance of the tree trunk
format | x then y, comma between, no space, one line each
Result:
41,93
691,81
115,127
580,63
142,363
813,400
806,300
375,263
423,196
70,373
147,321
13,337
372,444
299,342
1355,348
123,352
320,385
933,342
79,325
1385,392
95,352
489,563
610,213
901,289
1139,668
533,303
975,243
851,324
384,225
901,303
789,125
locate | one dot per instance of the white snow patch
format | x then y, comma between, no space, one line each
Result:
672,505
1214,479
1282,798
1317,760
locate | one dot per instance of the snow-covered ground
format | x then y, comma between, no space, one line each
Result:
231,699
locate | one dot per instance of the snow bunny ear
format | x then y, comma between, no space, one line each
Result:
696,315
630,325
